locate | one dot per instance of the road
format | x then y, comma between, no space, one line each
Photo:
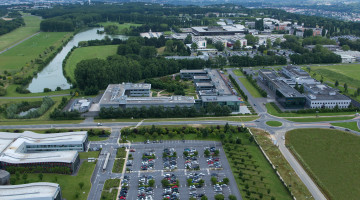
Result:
36,97
14,45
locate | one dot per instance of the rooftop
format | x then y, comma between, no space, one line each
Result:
323,92
31,191
220,98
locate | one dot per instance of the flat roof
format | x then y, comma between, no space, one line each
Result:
204,84
201,77
162,100
220,98
31,191
324,92
193,71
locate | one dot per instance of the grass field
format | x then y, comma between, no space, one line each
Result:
84,53
344,73
274,123
69,184
120,26
253,91
331,157
32,25
272,110
298,188
21,55
350,125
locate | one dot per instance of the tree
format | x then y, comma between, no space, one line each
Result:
188,39
204,198
262,48
237,45
207,153
40,176
165,183
301,89
226,181
268,43
219,46
232,197
251,40
213,180
336,83
345,87
151,183
81,185
194,46
259,24
219,197
345,47
148,52
308,33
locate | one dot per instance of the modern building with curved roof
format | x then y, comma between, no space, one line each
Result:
31,149
31,191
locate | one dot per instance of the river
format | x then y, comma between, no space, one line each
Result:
52,75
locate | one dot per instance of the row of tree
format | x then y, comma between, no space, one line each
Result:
257,60
164,112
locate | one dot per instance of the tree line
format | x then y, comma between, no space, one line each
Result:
257,60
163,112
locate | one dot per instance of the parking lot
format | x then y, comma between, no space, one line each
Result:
158,172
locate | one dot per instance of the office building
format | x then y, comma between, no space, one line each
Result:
30,149
31,191
315,94
128,95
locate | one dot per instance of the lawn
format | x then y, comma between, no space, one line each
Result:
350,125
331,157
69,184
274,123
110,185
273,111
90,154
344,73
20,56
84,53
298,188
32,25
252,90
319,119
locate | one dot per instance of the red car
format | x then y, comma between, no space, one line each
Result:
132,150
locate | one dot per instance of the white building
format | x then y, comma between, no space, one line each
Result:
322,96
31,191
47,150
151,34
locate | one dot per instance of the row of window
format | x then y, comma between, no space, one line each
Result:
328,103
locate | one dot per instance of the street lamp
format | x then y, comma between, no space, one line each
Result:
317,114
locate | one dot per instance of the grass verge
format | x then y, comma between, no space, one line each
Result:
331,158
319,119
273,111
252,90
90,154
298,188
350,125
120,160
